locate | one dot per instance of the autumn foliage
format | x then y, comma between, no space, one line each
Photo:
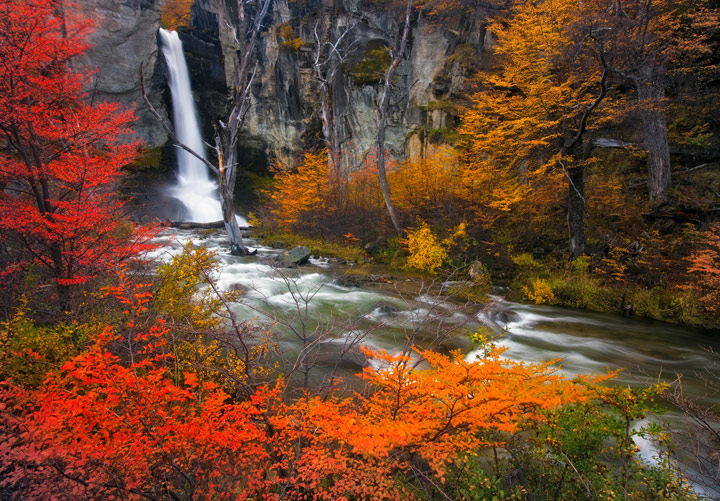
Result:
61,158
105,426
176,13
705,264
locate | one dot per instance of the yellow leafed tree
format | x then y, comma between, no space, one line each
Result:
175,13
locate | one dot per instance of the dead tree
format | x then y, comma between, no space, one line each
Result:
228,132
329,58
398,56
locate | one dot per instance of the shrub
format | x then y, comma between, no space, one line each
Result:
525,261
541,292
426,253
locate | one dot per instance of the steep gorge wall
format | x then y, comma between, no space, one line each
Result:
284,115
125,34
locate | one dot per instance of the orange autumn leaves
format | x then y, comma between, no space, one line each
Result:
101,427
444,185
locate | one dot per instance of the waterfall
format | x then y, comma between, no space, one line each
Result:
194,188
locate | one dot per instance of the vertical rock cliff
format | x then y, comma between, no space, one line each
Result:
284,117
125,34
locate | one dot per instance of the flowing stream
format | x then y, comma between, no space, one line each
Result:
387,312
313,300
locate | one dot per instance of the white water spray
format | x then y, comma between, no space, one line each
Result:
195,189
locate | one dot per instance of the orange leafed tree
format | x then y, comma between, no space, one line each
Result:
535,114
425,187
451,407
300,195
100,427
176,13
706,264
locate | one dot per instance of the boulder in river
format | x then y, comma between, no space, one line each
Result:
386,309
296,256
355,280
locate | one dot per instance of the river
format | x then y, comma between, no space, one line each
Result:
311,306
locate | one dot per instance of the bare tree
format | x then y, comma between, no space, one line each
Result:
398,55
329,58
228,132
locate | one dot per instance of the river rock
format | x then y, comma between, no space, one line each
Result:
296,256
238,289
500,314
352,280
386,309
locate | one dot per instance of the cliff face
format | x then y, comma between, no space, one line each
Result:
125,35
284,117
285,110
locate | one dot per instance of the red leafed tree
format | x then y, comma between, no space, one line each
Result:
60,157
103,428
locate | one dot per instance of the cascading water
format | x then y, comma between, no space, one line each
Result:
194,189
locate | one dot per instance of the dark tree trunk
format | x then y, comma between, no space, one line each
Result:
650,96
576,210
383,105
227,188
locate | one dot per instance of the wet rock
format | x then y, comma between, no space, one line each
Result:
296,256
125,36
498,313
505,316
356,280
238,289
386,309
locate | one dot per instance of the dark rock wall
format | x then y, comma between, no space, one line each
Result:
125,35
284,115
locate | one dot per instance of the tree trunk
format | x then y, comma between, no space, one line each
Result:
227,188
576,210
650,95
382,175
382,109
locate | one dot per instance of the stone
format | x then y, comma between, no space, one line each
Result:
297,256
386,309
125,36
352,280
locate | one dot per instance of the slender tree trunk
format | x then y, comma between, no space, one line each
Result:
227,175
330,55
382,174
383,105
576,210
650,96
227,139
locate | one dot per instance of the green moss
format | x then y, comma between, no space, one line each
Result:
443,135
668,304
465,54
317,247
149,159
372,67
443,104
